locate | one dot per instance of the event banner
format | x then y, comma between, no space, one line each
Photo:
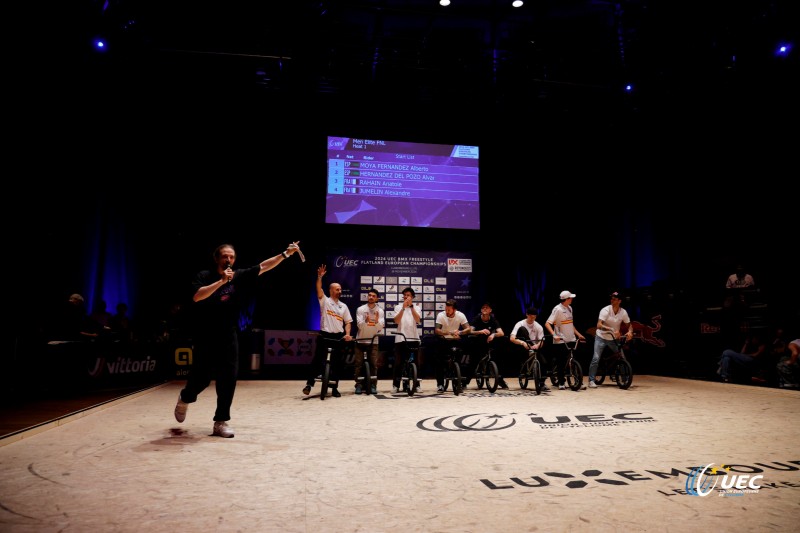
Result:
434,276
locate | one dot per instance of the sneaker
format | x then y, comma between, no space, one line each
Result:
358,389
561,387
307,390
180,409
592,385
222,429
582,387
440,389
373,390
545,388
395,390
335,393
419,386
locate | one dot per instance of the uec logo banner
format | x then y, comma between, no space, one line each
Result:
702,481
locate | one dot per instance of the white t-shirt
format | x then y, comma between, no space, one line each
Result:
457,322
370,322
612,320
333,315
561,321
535,330
407,325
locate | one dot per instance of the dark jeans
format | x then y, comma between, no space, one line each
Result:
321,353
215,357
560,354
358,362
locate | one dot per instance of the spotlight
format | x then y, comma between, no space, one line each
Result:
99,44
444,3
517,3
783,50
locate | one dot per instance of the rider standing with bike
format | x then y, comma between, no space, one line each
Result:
451,324
407,316
334,323
560,325
485,329
370,322
608,330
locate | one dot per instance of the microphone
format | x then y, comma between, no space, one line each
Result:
227,266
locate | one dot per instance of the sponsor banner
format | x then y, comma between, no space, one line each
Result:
288,347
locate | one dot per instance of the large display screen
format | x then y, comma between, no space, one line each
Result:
388,183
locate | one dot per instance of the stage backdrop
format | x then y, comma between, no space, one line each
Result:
434,276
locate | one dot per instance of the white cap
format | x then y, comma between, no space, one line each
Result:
566,294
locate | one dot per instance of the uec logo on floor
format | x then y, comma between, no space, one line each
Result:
702,481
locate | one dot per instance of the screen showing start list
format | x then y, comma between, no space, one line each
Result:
388,183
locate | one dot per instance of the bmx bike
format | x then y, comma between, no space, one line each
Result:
409,374
334,348
367,378
486,373
615,365
532,368
573,373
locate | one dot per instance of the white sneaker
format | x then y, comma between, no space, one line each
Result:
561,387
221,429
395,390
180,409
419,386
592,385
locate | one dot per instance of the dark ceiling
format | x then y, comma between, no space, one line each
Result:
560,55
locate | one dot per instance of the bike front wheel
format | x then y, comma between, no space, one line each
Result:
326,379
367,379
492,377
538,382
574,375
458,385
624,374
412,379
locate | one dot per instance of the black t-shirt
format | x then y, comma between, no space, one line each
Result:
492,324
223,310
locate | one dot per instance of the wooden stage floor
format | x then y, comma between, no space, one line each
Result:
594,460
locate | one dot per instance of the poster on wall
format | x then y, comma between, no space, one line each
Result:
434,276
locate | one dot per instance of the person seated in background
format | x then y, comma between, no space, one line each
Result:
745,362
776,348
72,323
789,367
736,286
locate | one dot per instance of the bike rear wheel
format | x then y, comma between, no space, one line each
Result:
600,377
536,372
524,372
326,379
624,373
492,375
574,374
